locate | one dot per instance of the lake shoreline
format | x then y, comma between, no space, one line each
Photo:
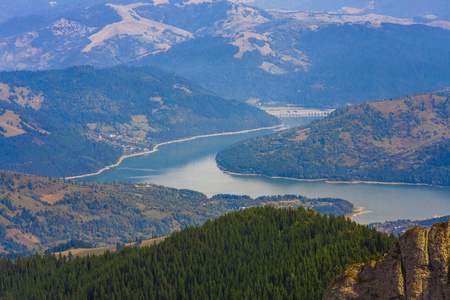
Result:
332,181
196,170
166,143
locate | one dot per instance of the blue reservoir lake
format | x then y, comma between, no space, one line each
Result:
191,165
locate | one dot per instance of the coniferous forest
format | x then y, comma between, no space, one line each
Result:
256,253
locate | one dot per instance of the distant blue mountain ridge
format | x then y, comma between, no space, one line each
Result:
321,60
399,8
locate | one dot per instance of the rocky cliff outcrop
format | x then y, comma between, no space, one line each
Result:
416,267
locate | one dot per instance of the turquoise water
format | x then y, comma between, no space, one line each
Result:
191,165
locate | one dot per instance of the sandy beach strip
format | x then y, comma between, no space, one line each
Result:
356,212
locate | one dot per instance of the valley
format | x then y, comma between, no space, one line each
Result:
237,149
191,165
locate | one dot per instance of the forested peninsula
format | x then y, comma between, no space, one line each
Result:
78,120
391,141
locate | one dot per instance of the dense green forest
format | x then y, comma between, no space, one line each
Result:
404,140
74,121
40,212
256,253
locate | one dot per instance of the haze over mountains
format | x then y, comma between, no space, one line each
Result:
242,52
428,9
67,108
400,8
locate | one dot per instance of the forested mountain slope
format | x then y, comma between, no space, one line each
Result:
40,212
77,120
404,140
257,253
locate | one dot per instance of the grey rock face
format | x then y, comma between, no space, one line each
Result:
416,267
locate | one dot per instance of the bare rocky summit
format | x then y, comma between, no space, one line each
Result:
416,267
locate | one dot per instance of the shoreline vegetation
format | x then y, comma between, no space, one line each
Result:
166,143
334,182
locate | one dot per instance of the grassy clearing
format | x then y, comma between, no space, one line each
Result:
139,119
11,123
21,237
92,126
53,198
101,250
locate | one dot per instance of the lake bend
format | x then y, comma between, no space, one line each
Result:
191,165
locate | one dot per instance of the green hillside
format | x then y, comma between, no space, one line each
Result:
404,140
257,253
40,212
75,121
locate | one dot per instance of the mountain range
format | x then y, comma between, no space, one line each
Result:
83,83
312,59
431,9
417,9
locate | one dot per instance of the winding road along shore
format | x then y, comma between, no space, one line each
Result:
166,143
